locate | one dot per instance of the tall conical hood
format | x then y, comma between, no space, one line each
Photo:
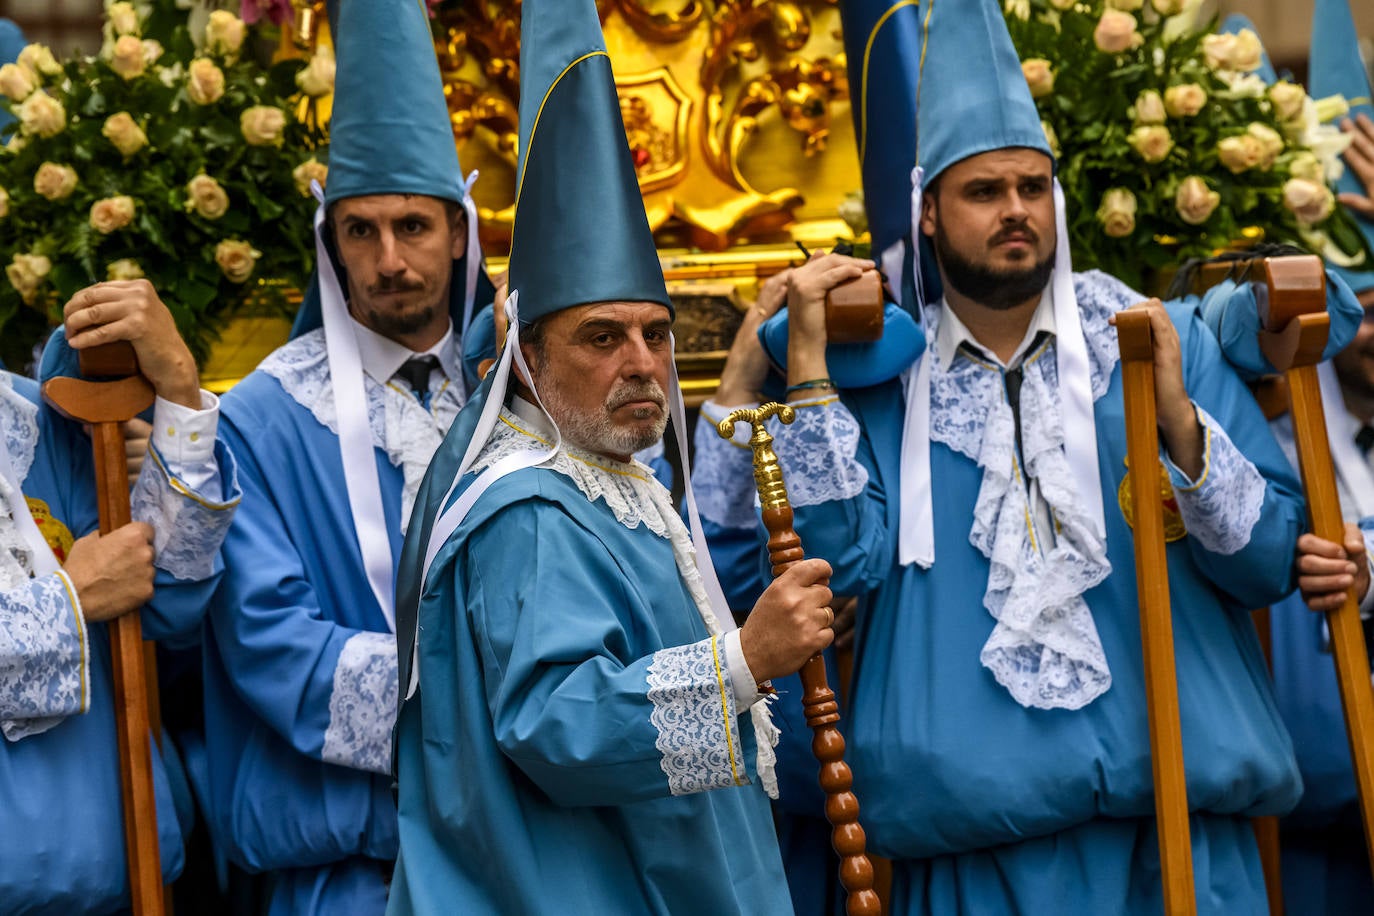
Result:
882,43
972,95
580,232
1335,68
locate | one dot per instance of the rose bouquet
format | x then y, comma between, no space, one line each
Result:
1170,145
181,160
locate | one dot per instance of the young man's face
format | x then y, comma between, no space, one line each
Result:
602,373
991,217
398,251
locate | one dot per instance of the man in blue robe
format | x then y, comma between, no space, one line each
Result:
335,430
62,849
998,731
582,730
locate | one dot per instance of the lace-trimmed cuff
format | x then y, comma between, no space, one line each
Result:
1367,530
362,705
696,716
817,453
188,527
1221,507
44,657
723,473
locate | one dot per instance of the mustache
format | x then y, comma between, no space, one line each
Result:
1022,229
637,391
394,286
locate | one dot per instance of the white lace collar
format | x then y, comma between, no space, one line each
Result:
951,332
401,426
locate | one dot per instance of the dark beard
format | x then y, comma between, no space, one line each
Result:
994,289
394,326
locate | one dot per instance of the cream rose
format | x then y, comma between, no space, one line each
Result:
1288,100
17,82
111,213
206,197
1051,137
1149,108
54,181
123,131
204,82
224,33
262,125
1129,6
308,171
1039,76
43,115
124,269
854,213
1194,201
1306,165
1168,7
1241,52
26,273
1240,153
1116,213
235,259
4,203
123,18
1310,201
1063,4
1184,101
317,77
1018,9
1116,32
1271,144
152,50
1151,142
37,58
126,57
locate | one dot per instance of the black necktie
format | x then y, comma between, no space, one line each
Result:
416,372
1365,439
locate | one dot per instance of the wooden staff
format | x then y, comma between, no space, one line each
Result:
1156,623
818,700
1296,327
106,406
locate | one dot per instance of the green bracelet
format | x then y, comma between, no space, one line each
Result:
809,384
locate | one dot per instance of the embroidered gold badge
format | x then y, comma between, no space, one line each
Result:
57,535
1174,529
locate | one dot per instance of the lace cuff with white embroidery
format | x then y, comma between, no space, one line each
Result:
695,714
817,452
1221,507
362,706
44,657
723,472
188,527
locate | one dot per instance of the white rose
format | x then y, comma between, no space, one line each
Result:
1310,201
1051,137
111,213
1116,213
124,269
43,115
1306,165
123,18
123,131
1184,101
152,50
1149,108
1039,76
17,82
54,181
126,57
1018,9
236,259
206,197
308,171
1288,100
224,33
204,82
262,125
4,203
1151,141
317,77
37,58
1168,7
1194,201
1129,6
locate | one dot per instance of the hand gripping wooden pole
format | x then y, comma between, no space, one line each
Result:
818,700
1156,623
1293,312
106,406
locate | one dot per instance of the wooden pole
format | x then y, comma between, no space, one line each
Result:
1156,623
106,406
1296,329
818,700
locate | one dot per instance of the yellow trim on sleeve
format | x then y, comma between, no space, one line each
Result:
725,712
187,491
814,402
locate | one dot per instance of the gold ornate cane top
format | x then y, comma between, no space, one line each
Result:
767,472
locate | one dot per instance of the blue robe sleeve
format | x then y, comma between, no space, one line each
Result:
44,659
583,715
327,689
723,480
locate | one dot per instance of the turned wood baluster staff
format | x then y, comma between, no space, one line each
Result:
1156,624
106,406
1296,327
818,700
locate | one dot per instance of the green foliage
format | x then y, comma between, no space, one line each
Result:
171,243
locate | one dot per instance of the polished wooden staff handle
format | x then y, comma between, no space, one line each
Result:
1156,623
818,700
106,406
1295,332
854,310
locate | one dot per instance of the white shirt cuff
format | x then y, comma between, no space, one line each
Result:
185,438
741,678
